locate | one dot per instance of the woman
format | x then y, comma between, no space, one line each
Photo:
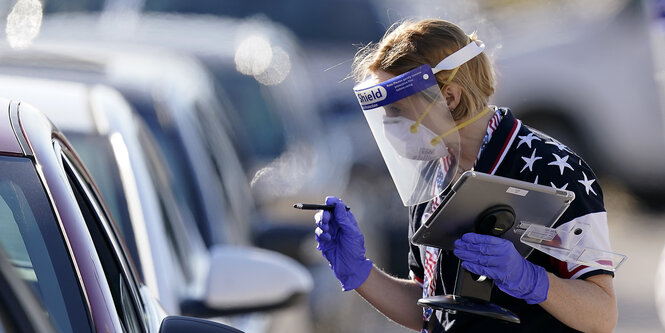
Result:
547,294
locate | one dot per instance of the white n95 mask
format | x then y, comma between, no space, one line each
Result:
421,144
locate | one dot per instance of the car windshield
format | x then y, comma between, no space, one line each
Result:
97,154
30,237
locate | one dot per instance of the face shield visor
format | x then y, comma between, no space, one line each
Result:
414,130
413,127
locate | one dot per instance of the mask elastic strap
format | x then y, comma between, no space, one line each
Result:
466,123
414,127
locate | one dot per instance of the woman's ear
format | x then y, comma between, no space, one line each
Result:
452,92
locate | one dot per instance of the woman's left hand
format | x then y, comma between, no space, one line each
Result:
498,259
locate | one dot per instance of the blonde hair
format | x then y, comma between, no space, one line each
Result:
409,44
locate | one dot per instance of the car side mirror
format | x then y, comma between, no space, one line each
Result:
178,324
248,279
293,240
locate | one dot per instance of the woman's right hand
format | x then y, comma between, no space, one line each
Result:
342,244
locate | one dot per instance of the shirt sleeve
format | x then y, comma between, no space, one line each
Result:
587,209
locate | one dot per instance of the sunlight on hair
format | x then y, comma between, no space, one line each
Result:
23,23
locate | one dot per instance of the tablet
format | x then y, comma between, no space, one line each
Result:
488,204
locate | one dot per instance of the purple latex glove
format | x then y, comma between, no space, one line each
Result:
497,259
342,244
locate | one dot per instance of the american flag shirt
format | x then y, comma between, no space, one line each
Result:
515,151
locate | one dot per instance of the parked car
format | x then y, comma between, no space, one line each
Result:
293,143
172,258
184,90
273,114
211,180
60,238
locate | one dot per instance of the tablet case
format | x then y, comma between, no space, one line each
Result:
476,194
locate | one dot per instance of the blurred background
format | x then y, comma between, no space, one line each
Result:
589,72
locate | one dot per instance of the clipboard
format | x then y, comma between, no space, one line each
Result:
478,199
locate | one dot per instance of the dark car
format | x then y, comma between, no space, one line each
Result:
58,235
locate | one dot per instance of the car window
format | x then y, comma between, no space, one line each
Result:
97,155
114,264
5,321
260,131
30,237
172,211
166,136
55,6
227,166
193,182
19,309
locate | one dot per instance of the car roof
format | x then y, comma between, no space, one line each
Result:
72,111
191,32
135,67
273,53
78,106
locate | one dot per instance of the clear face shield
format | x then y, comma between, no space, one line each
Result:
413,127
414,130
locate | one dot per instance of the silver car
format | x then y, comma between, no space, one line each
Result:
61,240
169,251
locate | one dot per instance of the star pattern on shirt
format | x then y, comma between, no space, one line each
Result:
520,161
561,162
559,188
527,139
561,158
447,323
529,161
587,184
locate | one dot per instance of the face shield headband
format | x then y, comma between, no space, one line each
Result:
460,57
453,62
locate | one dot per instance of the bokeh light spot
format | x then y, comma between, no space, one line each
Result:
23,23
253,55
279,68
